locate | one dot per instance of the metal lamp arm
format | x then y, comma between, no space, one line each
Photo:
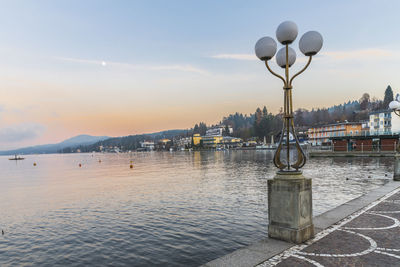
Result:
273,73
297,74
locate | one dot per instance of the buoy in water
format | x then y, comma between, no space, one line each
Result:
34,164
80,165
131,166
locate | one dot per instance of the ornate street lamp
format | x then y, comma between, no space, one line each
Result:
310,44
395,107
289,192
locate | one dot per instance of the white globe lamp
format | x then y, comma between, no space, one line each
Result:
265,48
310,43
286,32
394,105
281,57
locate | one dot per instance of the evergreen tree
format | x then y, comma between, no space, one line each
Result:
298,118
202,128
364,101
226,130
388,97
257,123
196,129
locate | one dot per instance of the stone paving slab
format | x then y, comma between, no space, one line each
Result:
369,237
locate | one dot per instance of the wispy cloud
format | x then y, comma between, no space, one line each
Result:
235,56
173,67
21,132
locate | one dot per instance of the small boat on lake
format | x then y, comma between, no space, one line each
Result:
16,158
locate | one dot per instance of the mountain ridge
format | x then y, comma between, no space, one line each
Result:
82,139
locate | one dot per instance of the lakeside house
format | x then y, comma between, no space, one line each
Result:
196,139
183,142
379,133
147,145
384,122
214,138
321,135
365,143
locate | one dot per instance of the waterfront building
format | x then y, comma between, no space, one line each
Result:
219,141
163,144
147,145
164,141
211,141
196,139
231,142
383,122
218,130
365,143
321,134
183,143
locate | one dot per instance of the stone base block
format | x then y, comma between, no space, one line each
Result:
290,207
297,236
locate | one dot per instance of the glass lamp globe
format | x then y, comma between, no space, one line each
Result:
310,43
281,57
286,32
394,105
265,48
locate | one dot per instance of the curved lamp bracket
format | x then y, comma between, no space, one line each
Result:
300,72
274,73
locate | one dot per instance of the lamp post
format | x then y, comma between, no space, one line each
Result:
395,107
289,192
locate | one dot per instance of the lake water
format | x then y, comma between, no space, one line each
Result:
171,209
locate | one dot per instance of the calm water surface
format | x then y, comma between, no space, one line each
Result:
171,209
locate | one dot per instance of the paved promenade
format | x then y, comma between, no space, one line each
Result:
368,237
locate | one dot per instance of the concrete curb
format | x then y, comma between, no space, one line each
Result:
264,249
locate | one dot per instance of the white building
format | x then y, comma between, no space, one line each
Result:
147,145
183,142
384,122
217,130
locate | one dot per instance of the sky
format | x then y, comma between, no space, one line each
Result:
118,68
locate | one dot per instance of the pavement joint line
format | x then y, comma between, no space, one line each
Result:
383,211
309,260
387,254
389,249
395,224
372,247
296,249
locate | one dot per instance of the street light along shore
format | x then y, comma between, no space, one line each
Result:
395,107
289,192
265,49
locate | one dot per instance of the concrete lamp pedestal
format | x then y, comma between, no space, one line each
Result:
290,207
396,174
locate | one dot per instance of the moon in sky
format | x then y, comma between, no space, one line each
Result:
103,63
